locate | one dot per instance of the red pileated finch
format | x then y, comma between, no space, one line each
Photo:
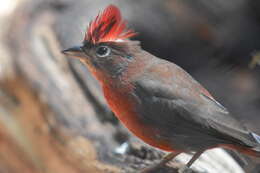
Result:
155,99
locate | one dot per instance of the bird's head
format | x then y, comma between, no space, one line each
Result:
106,49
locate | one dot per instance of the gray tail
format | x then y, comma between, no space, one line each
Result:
257,137
256,149
251,150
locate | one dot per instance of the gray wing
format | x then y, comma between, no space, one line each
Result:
188,112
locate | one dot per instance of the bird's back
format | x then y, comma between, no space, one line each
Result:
183,111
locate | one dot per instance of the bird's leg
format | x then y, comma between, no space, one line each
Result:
186,168
168,157
194,158
165,159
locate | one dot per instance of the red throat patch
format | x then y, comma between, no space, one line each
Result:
108,26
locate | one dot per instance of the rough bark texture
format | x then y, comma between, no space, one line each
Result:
53,117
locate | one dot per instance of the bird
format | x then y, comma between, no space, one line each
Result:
158,101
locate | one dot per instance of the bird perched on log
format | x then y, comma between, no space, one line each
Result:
156,99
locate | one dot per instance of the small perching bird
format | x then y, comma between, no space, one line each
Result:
155,99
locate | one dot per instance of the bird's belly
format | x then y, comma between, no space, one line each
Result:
149,134
125,108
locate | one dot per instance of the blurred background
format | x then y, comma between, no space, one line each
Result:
52,113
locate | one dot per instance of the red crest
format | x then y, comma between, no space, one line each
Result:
108,26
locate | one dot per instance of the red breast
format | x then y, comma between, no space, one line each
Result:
123,104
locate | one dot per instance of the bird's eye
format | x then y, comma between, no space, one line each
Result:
103,51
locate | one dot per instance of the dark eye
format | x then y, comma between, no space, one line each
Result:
103,51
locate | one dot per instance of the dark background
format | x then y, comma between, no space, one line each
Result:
52,110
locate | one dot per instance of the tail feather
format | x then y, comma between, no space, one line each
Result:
255,151
257,138
251,151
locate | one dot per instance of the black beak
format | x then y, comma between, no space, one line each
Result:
75,51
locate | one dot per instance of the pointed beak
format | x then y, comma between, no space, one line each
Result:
75,52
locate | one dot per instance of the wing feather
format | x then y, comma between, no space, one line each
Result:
181,101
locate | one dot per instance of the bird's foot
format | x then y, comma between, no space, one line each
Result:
185,169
